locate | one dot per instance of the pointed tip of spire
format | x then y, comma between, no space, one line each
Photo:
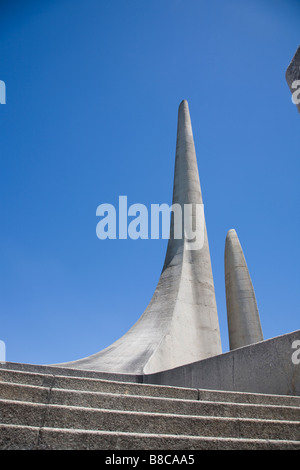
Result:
231,233
231,238
184,103
183,106
184,127
234,255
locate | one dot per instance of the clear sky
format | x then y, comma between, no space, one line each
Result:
93,89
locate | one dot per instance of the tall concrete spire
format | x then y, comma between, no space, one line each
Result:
180,325
242,313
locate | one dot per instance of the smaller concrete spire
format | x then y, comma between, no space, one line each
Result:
242,313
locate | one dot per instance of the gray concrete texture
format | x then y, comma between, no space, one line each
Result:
180,325
59,416
36,438
43,411
293,75
244,325
209,404
264,367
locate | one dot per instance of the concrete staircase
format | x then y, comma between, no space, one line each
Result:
48,411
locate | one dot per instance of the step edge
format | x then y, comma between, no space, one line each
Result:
141,384
176,400
100,380
143,413
139,435
263,396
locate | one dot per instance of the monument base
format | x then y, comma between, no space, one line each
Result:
270,366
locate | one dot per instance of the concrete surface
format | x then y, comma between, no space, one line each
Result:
264,367
42,411
209,404
244,325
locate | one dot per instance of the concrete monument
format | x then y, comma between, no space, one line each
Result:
244,326
170,363
180,325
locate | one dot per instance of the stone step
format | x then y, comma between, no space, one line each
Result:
44,395
51,411
14,437
129,388
246,397
59,416
96,385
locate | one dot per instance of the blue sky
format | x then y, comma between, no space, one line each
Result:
93,89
